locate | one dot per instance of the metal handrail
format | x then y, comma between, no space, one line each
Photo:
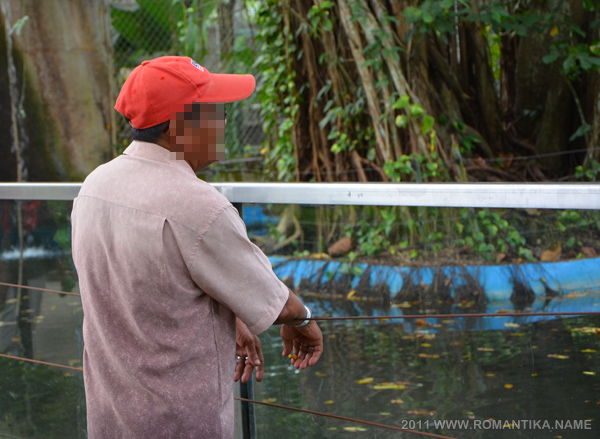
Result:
482,195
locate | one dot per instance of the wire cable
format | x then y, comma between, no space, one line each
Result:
344,418
45,363
45,290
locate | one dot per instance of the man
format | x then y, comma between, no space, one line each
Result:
172,289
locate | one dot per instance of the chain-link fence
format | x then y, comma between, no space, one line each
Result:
219,34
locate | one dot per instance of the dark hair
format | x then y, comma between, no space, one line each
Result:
150,135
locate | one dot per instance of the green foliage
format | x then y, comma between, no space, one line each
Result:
277,90
488,234
373,237
588,171
161,27
416,167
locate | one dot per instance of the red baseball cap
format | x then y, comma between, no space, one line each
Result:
162,86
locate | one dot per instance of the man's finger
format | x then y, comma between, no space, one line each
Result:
253,350
247,372
287,348
315,356
239,368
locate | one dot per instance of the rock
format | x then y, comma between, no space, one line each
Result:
341,247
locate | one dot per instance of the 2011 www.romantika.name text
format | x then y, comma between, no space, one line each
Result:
496,424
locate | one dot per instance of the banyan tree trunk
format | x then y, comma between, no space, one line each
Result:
487,105
56,116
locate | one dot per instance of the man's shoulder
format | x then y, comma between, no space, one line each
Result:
159,190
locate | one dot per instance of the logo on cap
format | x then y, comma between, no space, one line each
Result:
198,66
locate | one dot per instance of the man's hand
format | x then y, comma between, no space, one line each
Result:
305,343
247,345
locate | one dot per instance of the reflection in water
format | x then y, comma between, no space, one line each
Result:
394,372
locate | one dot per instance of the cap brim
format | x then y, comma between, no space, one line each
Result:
228,88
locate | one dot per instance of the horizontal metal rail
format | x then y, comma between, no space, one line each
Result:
482,195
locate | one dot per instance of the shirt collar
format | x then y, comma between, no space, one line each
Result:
154,152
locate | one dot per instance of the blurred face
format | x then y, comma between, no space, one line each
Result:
197,134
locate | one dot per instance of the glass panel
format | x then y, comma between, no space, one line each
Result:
39,400
413,373
408,373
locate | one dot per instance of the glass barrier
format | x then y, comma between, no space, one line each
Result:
460,377
39,400
468,376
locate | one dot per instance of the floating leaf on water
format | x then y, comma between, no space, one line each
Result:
367,380
320,374
16,339
421,412
512,325
508,386
397,401
490,374
354,429
329,401
351,294
558,356
67,374
587,330
486,349
270,400
385,413
405,305
517,334
589,372
426,345
389,386
11,301
429,356
588,351
52,307
534,375
421,323
448,322
456,343
332,428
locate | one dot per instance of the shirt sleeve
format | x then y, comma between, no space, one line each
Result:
232,270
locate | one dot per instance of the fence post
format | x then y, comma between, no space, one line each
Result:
245,420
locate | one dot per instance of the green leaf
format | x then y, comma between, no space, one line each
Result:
416,110
427,124
428,18
401,103
550,58
401,121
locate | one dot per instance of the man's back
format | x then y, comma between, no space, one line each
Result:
151,243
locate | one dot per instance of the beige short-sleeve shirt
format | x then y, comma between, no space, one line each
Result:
164,265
